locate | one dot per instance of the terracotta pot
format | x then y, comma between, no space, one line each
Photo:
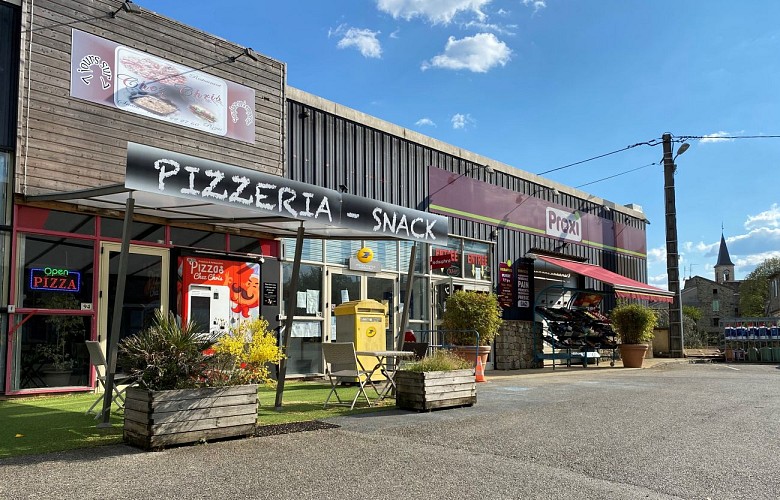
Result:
468,353
632,354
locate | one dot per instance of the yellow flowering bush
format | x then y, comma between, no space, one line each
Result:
245,353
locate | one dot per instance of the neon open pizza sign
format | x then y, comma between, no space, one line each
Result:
54,279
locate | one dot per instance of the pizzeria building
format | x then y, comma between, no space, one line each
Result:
120,127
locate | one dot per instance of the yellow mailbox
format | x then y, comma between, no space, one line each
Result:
364,323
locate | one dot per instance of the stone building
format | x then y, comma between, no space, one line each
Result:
717,299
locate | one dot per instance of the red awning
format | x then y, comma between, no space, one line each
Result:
625,288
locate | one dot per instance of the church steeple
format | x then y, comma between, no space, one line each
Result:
724,268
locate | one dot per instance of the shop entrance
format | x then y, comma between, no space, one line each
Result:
146,288
344,287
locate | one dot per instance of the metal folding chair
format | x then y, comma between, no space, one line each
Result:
98,360
341,365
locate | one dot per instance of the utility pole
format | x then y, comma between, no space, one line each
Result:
672,257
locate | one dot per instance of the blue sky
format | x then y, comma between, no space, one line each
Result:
542,84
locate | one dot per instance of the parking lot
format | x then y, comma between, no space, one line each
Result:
674,430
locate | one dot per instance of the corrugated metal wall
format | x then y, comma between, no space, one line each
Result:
331,151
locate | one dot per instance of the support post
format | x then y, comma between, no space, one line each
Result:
116,320
409,282
288,322
672,256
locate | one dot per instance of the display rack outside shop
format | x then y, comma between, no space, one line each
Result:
577,331
752,339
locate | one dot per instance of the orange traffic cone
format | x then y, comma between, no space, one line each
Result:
479,372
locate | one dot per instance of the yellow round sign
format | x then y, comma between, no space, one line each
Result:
365,255
370,331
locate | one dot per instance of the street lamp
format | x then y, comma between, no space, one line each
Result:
676,341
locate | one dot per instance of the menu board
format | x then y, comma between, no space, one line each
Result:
505,286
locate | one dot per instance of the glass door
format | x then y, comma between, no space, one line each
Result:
345,287
382,289
146,288
342,288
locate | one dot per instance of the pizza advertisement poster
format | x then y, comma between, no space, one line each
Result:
107,73
233,288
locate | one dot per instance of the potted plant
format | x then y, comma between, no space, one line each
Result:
634,325
468,313
194,386
58,362
442,380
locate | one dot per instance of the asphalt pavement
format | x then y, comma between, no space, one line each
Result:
670,430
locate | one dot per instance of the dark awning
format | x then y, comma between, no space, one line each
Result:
625,288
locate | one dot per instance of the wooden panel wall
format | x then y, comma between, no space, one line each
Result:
66,144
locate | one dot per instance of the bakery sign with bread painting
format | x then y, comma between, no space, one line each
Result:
110,74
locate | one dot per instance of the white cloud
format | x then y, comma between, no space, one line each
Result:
716,137
509,29
364,40
438,11
425,122
460,121
659,280
536,4
768,218
656,255
395,33
478,53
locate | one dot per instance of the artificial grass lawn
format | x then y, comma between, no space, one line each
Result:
46,424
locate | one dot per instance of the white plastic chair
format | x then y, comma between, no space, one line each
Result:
98,360
341,365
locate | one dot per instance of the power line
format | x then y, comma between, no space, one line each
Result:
653,142
718,137
617,175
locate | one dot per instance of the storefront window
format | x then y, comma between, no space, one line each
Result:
308,296
386,252
52,220
476,260
419,301
339,251
244,244
56,272
139,231
198,239
5,166
51,352
419,258
311,251
450,259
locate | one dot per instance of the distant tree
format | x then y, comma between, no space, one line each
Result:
692,312
754,289
693,336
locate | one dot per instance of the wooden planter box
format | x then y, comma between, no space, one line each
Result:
431,390
154,419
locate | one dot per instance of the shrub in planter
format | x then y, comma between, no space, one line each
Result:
442,380
468,311
634,324
194,386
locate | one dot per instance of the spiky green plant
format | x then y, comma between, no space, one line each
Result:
167,354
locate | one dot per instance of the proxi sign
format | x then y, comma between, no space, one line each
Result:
54,279
565,225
